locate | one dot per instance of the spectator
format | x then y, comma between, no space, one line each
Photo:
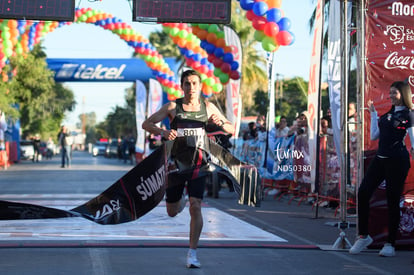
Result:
131,149
282,129
65,146
251,133
50,146
36,146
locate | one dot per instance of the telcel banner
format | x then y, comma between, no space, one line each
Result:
103,70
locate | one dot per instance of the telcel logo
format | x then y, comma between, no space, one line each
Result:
83,72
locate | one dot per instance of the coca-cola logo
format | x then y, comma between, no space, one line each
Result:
395,61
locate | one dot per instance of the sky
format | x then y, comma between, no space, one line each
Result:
81,40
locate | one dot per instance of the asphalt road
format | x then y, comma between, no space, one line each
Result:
308,249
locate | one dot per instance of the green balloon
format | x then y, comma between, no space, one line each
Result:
259,35
224,78
217,87
210,81
182,34
204,26
213,28
217,72
220,34
268,44
174,31
167,30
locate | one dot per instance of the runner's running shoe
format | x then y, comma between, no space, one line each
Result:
387,251
192,261
360,244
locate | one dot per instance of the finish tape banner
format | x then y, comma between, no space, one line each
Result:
143,188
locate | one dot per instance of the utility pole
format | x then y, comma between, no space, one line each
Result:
83,116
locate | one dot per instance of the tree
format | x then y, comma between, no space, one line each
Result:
294,99
41,102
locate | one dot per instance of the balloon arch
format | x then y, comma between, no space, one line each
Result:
202,45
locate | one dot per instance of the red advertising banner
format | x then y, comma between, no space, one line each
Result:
389,58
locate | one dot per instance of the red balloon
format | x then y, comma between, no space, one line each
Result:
271,29
217,62
259,23
196,65
284,38
234,75
250,15
203,69
225,68
189,62
211,57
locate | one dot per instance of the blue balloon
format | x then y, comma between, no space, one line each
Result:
183,51
210,48
284,24
219,52
228,58
204,61
246,4
234,65
197,57
203,44
260,8
274,15
293,38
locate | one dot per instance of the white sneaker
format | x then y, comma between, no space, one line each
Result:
192,261
360,244
387,251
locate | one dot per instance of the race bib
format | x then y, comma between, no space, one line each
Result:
186,132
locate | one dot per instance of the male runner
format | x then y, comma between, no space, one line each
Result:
188,118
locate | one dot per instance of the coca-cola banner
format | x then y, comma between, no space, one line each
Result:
390,57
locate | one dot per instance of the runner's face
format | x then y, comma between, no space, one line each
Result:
191,85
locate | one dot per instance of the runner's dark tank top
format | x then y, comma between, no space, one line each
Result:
189,123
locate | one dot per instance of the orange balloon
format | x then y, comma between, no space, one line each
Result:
228,49
221,43
12,24
202,34
175,39
274,3
195,30
182,42
14,32
212,38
